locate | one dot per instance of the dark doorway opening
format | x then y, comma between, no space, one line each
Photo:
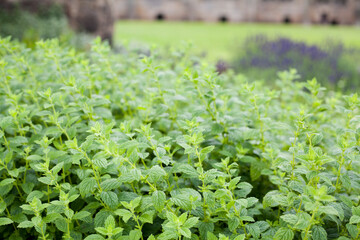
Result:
334,22
324,18
160,17
287,20
223,19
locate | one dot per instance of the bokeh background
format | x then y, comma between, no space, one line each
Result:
255,38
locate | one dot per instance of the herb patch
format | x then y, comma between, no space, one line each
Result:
97,145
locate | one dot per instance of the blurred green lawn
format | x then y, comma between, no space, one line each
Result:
220,41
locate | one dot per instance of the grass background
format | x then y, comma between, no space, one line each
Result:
220,41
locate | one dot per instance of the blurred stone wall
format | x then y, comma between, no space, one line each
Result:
91,16
295,11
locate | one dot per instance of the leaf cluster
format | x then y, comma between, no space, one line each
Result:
97,145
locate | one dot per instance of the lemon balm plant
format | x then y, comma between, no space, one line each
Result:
97,145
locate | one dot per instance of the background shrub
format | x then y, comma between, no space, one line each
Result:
261,57
31,27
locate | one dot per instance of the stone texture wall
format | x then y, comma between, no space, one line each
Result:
92,16
286,11
333,13
295,11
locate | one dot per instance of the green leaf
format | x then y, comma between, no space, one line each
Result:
94,237
135,234
353,230
158,199
6,182
135,202
46,180
191,222
181,197
233,223
316,138
211,236
318,233
205,227
328,210
5,221
81,215
110,184
284,234
355,219
356,210
100,218
207,150
303,222
100,162
26,224
147,217
167,235
185,232
254,230
290,218
110,222
87,186
240,237
151,237
110,199
256,169
171,217
57,168
2,206
102,230
125,214
186,169
156,173
61,224
51,217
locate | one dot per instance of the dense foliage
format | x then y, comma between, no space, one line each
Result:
98,145
331,63
31,27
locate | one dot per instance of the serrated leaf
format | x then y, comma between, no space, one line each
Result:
205,227
94,237
233,223
6,182
61,224
109,198
135,234
167,235
254,230
284,234
355,219
290,218
255,170
147,217
81,215
318,233
100,218
100,162
191,222
211,236
186,169
26,224
158,199
329,210
110,222
51,217
125,214
110,184
87,186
